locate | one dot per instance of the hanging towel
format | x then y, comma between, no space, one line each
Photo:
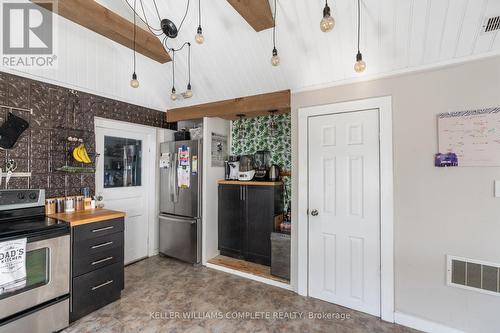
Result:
11,130
12,265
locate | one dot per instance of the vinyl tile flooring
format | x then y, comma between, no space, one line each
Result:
165,295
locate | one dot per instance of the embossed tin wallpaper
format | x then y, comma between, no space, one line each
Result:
57,114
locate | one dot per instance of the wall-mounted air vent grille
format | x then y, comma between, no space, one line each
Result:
473,274
492,24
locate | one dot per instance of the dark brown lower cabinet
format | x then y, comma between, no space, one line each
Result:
97,266
246,219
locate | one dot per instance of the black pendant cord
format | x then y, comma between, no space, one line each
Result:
173,71
184,17
189,65
359,21
274,26
135,32
154,31
157,11
199,13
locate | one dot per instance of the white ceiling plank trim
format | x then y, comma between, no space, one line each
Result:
471,26
437,22
234,61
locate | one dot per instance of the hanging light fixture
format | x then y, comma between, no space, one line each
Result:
360,65
134,83
199,32
166,29
188,93
273,124
327,22
275,60
173,95
241,126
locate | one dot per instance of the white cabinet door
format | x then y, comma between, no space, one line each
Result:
344,210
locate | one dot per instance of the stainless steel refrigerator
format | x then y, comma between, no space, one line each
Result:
180,200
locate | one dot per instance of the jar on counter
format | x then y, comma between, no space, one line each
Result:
69,204
59,205
50,206
87,203
79,203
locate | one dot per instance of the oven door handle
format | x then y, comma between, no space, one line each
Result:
101,261
103,229
102,285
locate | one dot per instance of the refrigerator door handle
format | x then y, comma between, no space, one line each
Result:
178,219
175,188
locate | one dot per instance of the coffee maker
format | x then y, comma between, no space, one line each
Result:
232,168
262,162
247,171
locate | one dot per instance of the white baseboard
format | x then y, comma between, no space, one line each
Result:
422,324
250,276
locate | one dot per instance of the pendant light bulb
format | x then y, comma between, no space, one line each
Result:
199,35
173,96
134,83
275,60
327,22
360,65
189,92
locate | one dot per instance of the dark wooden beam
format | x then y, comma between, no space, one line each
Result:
256,12
101,20
250,106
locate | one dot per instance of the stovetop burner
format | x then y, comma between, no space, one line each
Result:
22,214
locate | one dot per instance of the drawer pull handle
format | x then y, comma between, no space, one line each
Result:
103,229
102,285
102,260
101,245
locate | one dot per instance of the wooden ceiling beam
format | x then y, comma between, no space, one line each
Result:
103,21
256,12
250,106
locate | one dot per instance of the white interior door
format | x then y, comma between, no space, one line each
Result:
344,209
122,179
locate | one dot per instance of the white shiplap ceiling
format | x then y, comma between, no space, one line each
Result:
396,35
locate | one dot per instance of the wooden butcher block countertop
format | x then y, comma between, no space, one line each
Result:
87,216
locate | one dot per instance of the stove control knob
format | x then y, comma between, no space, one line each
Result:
33,196
21,196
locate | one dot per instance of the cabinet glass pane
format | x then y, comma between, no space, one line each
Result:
122,162
37,271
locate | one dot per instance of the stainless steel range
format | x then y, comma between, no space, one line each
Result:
42,304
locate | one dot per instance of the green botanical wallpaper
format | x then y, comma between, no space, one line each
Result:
256,136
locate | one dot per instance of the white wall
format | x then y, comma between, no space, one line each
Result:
438,211
210,193
92,63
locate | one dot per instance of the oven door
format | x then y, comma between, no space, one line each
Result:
47,270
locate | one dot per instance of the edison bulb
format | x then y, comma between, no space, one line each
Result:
173,96
188,93
199,36
327,23
134,83
275,60
360,66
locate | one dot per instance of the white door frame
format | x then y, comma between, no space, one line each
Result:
384,105
150,148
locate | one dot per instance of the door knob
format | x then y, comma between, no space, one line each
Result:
314,212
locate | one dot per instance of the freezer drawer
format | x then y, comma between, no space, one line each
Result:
180,238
